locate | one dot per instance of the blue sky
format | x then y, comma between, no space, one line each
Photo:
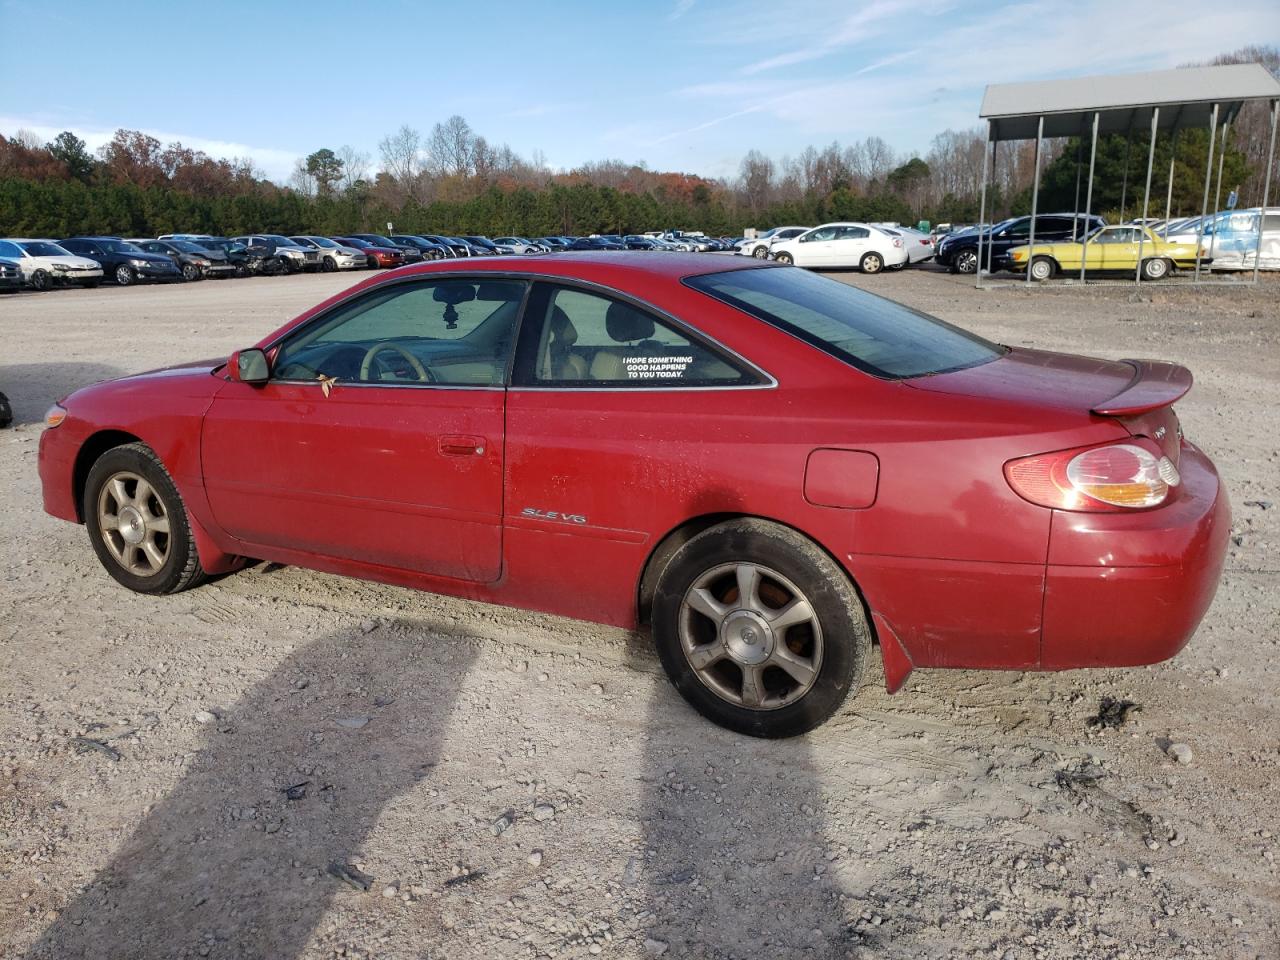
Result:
679,84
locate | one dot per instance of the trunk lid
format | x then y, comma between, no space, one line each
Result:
1138,393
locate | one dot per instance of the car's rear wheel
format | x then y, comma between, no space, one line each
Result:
871,263
40,280
761,252
966,261
784,257
125,275
137,522
759,629
1156,268
1043,268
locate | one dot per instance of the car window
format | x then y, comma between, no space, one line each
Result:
852,233
1019,229
822,233
451,331
8,249
870,333
586,339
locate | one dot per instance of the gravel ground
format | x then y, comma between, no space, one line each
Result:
518,785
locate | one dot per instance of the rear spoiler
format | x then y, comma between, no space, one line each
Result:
1155,384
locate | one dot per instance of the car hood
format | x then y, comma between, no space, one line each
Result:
76,261
1038,377
148,257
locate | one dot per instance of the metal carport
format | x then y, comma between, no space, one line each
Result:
1165,100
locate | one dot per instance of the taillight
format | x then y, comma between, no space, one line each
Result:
1126,476
897,241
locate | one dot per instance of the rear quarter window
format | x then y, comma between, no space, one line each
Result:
870,333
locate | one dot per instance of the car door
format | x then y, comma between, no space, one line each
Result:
1118,248
848,246
379,436
814,249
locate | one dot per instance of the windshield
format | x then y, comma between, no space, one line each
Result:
358,243
479,242
43,248
279,241
186,246
871,333
379,241
119,246
322,242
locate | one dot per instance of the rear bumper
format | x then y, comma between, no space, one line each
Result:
1123,590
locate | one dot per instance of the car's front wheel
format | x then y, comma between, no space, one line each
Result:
966,261
784,257
137,522
191,272
1043,268
759,629
40,280
761,252
125,275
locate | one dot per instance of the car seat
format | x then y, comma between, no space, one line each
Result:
627,325
559,362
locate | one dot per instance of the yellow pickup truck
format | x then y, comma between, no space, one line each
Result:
1107,250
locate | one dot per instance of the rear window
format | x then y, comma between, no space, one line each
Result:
870,333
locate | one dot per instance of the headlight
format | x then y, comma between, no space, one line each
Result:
140,263
54,416
61,267
203,262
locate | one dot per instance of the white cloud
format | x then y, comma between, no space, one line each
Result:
277,164
682,7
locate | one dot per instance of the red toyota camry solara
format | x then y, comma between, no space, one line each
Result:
773,469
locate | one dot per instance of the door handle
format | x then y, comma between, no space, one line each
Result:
461,446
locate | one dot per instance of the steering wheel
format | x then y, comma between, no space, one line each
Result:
367,363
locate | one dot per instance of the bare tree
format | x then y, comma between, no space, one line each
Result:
301,180
355,166
450,147
401,155
756,175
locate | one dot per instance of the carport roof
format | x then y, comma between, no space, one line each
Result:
1185,98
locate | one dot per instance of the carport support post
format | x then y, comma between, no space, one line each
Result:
1075,221
1124,180
1266,187
1146,196
982,205
1173,154
1217,193
1088,197
1208,178
1035,199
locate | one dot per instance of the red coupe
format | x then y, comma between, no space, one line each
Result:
773,469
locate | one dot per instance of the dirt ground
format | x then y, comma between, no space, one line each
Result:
518,785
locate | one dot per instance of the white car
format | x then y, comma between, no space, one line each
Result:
919,244
859,245
1231,238
43,263
333,255
520,245
759,245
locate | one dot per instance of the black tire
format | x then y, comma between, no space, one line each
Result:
840,647
328,265
966,261
40,280
243,270
784,257
871,263
1043,268
181,567
1156,268
191,273
761,252
125,275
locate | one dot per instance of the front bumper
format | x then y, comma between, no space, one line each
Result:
1123,590
76,276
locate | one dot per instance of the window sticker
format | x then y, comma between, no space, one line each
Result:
656,368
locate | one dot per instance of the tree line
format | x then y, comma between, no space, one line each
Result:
453,180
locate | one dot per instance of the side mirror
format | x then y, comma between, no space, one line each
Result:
249,366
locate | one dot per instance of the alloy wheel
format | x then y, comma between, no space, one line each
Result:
751,636
134,523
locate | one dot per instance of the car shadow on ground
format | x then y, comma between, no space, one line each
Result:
735,857
349,722
33,387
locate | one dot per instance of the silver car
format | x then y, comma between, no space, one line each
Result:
333,255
